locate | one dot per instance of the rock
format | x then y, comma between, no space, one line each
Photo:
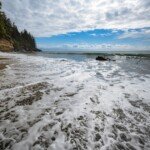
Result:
59,113
100,58
125,137
53,138
97,137
130,147
120,146
6,143
80,118
38,50
141,141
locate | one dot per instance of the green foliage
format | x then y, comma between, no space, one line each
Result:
21,40
3,33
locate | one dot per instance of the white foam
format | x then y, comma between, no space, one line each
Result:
86,89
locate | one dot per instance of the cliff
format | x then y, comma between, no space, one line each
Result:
11,39
6,45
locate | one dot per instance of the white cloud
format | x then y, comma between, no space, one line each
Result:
53,17
95,47
134,34
101,34
94,34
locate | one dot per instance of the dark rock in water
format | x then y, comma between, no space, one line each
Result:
130,147
97,137
38,50
53,138
100,58
125,137
120,146
6,143
27,50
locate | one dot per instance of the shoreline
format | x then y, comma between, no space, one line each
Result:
48,103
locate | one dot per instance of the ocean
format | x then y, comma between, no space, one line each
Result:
71,101
130,61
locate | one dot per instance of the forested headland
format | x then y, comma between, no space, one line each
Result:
11,39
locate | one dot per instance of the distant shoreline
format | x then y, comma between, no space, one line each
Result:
107,53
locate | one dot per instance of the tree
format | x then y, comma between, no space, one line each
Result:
8,30
2,25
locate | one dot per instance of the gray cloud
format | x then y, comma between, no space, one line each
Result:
53,17
135,34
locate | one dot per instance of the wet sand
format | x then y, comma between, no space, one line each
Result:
2,66
3,63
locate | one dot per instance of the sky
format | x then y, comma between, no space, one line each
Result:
98,25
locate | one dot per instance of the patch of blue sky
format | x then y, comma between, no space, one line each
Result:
98,36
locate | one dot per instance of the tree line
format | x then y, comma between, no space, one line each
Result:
21,40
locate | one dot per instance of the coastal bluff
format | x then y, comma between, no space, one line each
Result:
6,45
11,39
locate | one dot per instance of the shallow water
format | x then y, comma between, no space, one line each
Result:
53,101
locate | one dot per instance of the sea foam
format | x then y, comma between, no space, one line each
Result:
55,103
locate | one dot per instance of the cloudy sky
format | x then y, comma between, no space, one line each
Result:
84,24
